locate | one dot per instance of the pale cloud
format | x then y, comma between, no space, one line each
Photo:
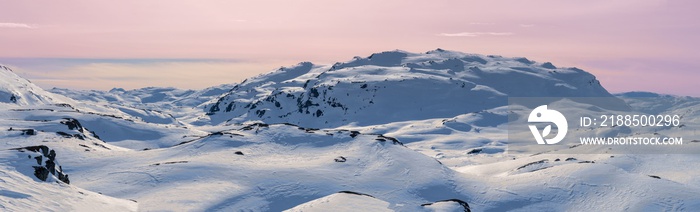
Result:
526,25
104,76
474,34
15,25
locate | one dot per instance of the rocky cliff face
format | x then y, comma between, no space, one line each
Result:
46,168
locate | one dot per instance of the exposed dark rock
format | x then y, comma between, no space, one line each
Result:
46,163
238,153
24,131
475,151
230,107
73,124
260,113
170,162
255,125
570,159
100,145
340,159
215,108
313,92
66,135
174,162
533,163
39,159
393,140
65,105
94,134
355,193
41,172
464,204
654,176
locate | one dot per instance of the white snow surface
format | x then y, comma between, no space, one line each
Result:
396,131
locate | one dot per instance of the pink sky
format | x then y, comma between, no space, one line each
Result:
649,45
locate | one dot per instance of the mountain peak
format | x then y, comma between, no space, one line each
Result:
396,86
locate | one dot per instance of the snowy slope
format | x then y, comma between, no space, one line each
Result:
32,179
19,91
19,192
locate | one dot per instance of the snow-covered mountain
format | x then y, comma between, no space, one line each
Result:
395,131
396,86
149,95
152,104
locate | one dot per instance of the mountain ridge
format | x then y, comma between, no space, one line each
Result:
355,91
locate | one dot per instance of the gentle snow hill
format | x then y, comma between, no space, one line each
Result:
395,86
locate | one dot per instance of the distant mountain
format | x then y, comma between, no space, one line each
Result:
396,86
148,95
152,104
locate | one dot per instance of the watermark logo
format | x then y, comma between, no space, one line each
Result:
543,115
